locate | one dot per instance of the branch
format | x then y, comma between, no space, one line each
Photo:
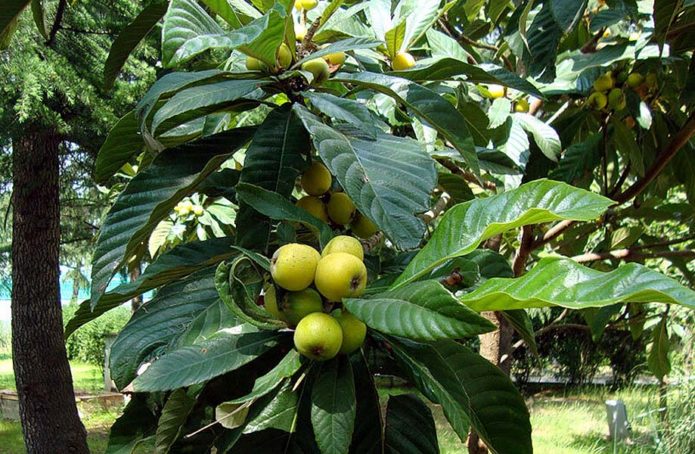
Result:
679,141
468,176
306,42
630,254
524,251
56,24
552,233
437,209
664,243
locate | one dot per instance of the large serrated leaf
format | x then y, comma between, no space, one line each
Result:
151,195
280,413
389,179
564,282
419,16
174,415
123,142
333,406
658,361
567,12
394,39
341,46
137,422
344,109
545,136
543,41
287,367
367,437
222,353
423,311
470,391
410,426
466,225
428,105
578,161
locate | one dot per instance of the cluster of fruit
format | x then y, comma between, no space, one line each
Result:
186,207
608,89
494,91
328,206
337,272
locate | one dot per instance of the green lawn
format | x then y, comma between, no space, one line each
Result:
86,377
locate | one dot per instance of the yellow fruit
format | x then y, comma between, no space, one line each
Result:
317,179
284,56
297,4
496,91
270,302
634,80
344,243
616,99
521,105
318,336
604,82
335,59
597,100
198,210
354,331
363,227
254,64
340,275
306,4
300,32
402,61
293,266
314,206
298,305
340,208
318,68
184,208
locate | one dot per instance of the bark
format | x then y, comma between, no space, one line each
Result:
136,302
42,373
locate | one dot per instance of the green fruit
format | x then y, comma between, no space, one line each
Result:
651,81
521,105
363,227
634,80
298,305
616,99
597,100
314,206
402,61
622,76
317,179
354,331
293,266
604,82
344,243
340,208
254,64
284,56
318,336
340,275
270,302
318,68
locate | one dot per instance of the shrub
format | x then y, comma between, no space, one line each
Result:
87,343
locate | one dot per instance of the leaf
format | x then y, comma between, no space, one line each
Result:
10,10
367,437
423,311
274,160
151,195
522,324
280,413
136,423
160,320
207,324
499,112
333,406
344,109
174,415
37,12
443,45
426,104
624,141
159,235
286,368
410,426
466,225
389,179
174,264
565,283
567,12
657,360
129,38
665,12
223,9
470,391
545,136
579,161
123,142
341,46
419,16
543,41
222,353
394,39
231,416
279,208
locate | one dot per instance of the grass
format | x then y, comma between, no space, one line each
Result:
87,378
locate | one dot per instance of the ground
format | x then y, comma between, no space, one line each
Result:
563,423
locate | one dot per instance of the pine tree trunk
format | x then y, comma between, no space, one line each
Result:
44,382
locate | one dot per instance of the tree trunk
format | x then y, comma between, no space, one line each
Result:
44,382
136,302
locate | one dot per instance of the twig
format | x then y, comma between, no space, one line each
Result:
56,24
629,254
306,42
437,209
524,251
468,176
621,181
552,233
663,243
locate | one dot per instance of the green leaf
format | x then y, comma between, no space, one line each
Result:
344,109
287,367
425,104
151,195
280,413
10,10
394,39
37,11
410,426
499,112
137,422
123,142
522,324
624,141
466,225
545,136
658,361
367,437
159,321
333,406
341,46
222,353
389,179
565,283
129,38
274,160
419,16
208,323
423,311
223,9
543,41
567,12
279,208
238,284
174,415
470,391
231,416
443,45
579,161
665,12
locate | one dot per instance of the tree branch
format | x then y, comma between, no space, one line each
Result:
468,176
56,24
629,254
524,251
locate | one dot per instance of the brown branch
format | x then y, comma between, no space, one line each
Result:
663,243
56,24
468,176
621,181
552,233
437,209
306,42
679,141
524,251
631,255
